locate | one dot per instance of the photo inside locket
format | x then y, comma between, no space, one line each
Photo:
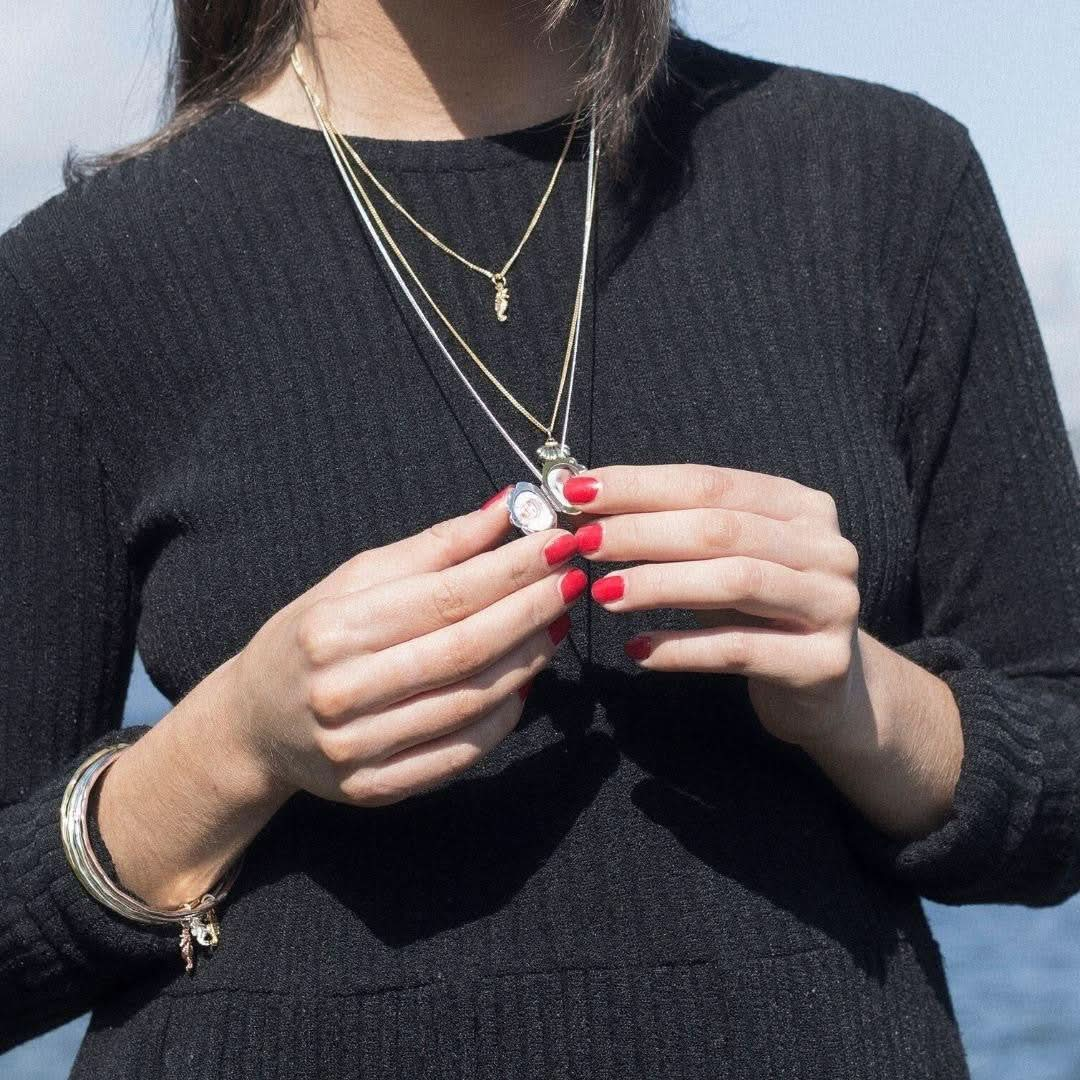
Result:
529,509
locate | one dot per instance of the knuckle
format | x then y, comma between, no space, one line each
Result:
326,697
335,750
444,538
539,611
509,719
805,678
522,568
834,658
747,577
738,650
464,652
458,707
504,716
715,484
448,600
720,531
629,483
375,787
460,757
791,491
821,504
356,573
847,558
849,601
395,671
317,635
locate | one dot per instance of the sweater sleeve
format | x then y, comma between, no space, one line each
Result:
997,499
66,647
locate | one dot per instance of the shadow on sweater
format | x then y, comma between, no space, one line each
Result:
728,805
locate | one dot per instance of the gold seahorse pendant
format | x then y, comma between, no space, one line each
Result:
502,297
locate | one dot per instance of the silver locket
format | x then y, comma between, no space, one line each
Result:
535,507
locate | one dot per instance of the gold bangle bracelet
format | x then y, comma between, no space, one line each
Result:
197,919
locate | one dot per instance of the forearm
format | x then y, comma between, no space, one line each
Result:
185,799
896,753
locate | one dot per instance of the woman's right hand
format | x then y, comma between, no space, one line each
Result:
394,673
407,663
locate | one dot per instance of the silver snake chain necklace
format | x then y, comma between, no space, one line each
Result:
532,507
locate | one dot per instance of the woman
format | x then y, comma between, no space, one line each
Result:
828,660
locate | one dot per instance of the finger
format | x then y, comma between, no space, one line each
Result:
442,544
373,681
421,768
620,489
395,611
710,532
793,659
755,586
373,737
729,617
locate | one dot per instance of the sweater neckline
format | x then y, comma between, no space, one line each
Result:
538,142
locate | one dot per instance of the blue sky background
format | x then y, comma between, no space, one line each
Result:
88,73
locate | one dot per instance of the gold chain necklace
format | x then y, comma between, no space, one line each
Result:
531,507
496,277
548,428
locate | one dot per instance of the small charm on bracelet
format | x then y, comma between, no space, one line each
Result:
201,930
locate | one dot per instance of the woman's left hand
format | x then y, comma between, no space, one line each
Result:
762,563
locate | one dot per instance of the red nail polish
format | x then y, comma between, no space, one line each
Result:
497,496
608,588
573,584
638,647
581,489
562,547
559,628
589,537
523,690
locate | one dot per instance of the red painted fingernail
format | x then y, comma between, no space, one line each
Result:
523,690
589,537
638,647
608,588
561,548
497,496
559,628
573,584
581,489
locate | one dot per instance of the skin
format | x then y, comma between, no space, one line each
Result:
403,666
396,672
761,562
411,69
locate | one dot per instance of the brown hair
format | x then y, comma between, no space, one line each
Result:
224,49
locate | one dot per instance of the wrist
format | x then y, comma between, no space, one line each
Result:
897,749
185,800
864,724
217,733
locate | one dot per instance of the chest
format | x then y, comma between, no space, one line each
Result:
321,419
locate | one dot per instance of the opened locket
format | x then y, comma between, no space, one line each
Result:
535,507
531,507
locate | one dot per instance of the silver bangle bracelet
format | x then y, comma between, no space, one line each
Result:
197,919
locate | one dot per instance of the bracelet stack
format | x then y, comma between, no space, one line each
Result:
197,919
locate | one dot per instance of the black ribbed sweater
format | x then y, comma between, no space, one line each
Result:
210,396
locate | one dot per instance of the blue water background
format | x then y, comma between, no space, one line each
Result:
1014,974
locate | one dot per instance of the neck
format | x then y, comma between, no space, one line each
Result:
413,69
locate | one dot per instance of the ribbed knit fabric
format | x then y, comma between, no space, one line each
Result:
212,395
